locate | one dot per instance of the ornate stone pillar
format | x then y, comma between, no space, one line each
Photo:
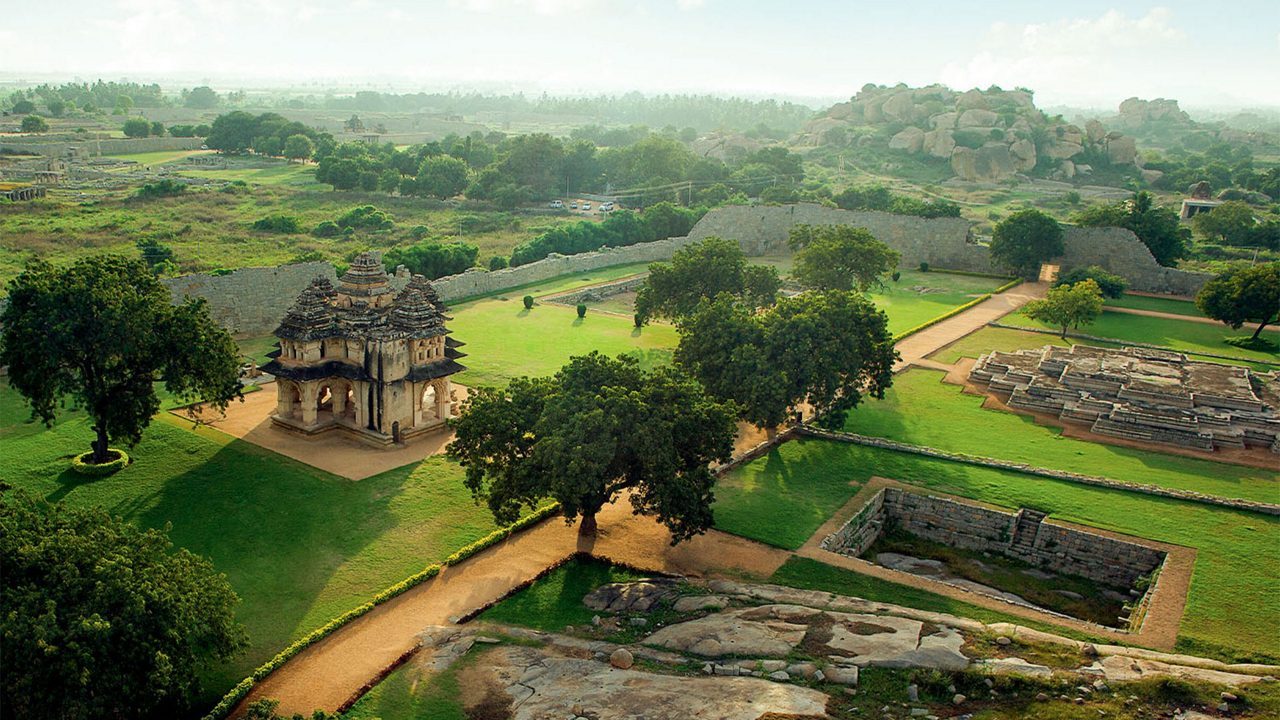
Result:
310,392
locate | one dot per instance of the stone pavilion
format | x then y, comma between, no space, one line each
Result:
364,359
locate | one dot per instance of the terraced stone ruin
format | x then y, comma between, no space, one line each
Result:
1140,394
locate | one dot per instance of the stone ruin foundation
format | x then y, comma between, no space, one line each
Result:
1023,536
1141,394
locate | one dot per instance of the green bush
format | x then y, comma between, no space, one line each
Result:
1112,286
582,310
924,267
80,463
161,188
366,217
528,302
497,262
278,224
327,229
896,276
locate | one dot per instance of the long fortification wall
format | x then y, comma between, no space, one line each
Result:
103,147
251,301
944,243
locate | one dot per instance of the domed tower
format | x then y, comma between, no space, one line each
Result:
364,359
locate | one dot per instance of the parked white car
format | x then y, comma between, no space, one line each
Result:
556,205
586,207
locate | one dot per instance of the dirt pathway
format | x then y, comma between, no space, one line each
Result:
330,672
1167,316
915,348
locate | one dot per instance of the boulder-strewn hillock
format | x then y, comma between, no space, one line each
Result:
985,135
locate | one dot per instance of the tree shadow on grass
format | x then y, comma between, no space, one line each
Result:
279,530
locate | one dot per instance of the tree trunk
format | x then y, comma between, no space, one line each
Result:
1064,332
587,527
99,446
771,432
1258,332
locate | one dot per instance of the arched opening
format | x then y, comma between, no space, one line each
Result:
349,405
291,402
430,403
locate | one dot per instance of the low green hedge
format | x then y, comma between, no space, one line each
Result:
241,690
934,321
971,273
1011,284
80,463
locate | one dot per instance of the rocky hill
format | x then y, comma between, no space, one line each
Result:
985,135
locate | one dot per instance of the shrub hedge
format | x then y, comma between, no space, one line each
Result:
80,463
241,690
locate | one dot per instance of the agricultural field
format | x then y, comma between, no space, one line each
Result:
211,229
923,410
782,498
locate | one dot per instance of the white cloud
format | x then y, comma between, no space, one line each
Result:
1075,59
690,4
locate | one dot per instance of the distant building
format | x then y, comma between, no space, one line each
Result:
1192,207
365,360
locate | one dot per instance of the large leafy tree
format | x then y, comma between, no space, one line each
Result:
103,331
1250,294
598,427
101,619
826,351
1025,240
442,176
702,271
840,257
1158,228
1068,306
1233,223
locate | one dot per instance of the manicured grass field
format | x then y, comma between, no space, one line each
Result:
410,693
938,293
503,340
299,546
161,157
782,498
1157,304
923,410
987,339
1178,335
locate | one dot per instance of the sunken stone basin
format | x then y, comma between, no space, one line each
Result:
846,638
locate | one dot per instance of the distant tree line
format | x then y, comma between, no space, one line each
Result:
623,227
879,197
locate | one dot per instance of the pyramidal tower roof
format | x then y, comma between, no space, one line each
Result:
417,311
311,316
365,277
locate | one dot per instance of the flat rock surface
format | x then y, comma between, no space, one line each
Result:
850,638
1126,669
541,685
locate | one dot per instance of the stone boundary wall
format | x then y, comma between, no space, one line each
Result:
944,243
854,537
103,147
1060,549
1188,495
597,292
1126,343
251,301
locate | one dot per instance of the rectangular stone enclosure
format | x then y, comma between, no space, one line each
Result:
1022,535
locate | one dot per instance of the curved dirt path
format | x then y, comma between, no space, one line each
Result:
329,673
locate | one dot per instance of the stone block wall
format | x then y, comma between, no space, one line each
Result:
944,243
972,527
250,301
116,146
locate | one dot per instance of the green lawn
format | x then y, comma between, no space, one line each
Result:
299,546
161,157
503,340
989,338
295,175
919,297
923,410
1192,337
782,498
410,693
1157,304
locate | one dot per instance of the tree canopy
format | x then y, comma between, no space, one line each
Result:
702,271
1068,306
102,619
435,260
598,427
825,350
1111,285
1233,223
442,177
103,331
1158,228
34,124
1240,295
840,257
1025,240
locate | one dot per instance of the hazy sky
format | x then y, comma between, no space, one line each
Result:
1204,53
